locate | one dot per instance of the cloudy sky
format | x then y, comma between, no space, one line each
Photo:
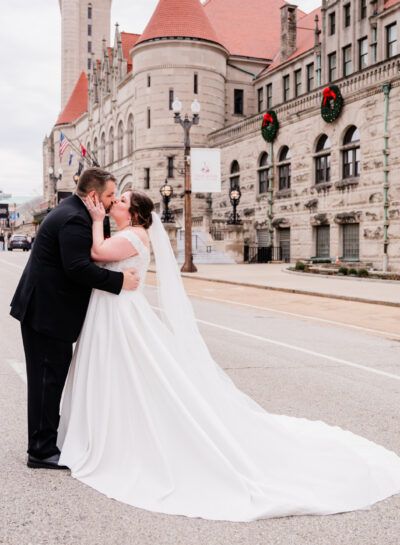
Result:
30,46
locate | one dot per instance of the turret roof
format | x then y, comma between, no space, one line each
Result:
179,19
77,103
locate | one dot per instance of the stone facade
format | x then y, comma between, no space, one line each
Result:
129,129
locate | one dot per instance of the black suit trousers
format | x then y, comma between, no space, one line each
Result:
47,364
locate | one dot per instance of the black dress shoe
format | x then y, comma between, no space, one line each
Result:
47,463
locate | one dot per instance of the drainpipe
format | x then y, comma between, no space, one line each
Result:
386,91
270,195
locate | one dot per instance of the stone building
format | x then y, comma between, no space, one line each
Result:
320,189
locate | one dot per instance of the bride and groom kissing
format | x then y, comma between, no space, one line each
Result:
139,410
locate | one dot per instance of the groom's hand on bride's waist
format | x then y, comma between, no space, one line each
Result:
131,280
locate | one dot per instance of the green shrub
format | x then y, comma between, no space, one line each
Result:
343,270
363,272
353,272
300,266
316,261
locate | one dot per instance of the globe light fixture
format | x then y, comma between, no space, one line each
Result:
195,107
234,196
166,193
177,106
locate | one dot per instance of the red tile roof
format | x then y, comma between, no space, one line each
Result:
179,18
128,41
390,3
248,28
305,38
77,103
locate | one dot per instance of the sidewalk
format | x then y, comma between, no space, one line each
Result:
276,277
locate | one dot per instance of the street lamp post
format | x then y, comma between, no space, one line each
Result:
55,179
186,124
234,196
166,193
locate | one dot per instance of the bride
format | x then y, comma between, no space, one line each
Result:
150,419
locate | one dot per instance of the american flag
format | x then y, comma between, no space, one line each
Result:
63,145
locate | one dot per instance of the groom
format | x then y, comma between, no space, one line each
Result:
51,302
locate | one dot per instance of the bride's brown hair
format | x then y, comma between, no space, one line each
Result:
141,207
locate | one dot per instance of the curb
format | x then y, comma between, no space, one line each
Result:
290,290
344,277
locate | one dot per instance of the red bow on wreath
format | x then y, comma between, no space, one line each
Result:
328,93
268,118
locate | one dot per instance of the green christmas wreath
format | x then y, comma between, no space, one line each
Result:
270,126
332,103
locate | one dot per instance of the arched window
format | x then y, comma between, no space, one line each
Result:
351,153
102,150
120,140
284,168
130,134
111,146
235,175
323,160
95,150
263,172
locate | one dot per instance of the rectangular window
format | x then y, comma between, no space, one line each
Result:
362,53
346,15
297,83
89,64
332,66
89,47
196,84
171,98
89,30
319,69
148,118
332,23
351,241
89,12
170,167
146,178
260,95
322,241
269,96
363,9
148,81
347,61
310,76
238,101
373,45
391,40
323,169
351,163
263,181
286,88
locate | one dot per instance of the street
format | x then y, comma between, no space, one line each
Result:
317,358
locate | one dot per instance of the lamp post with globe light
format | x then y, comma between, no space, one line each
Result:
55,179
166,193
186,124
234,196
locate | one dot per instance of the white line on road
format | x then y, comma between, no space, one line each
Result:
19,368
296,315
298,349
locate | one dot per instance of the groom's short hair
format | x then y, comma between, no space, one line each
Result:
93,179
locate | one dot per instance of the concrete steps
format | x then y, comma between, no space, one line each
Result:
203,249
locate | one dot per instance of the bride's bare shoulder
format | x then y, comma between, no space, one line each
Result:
141,233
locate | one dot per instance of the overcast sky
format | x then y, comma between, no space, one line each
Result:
30,45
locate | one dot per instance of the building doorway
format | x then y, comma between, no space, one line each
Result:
284,243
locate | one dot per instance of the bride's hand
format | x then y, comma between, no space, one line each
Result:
95,209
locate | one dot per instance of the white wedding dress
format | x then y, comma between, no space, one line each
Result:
148,418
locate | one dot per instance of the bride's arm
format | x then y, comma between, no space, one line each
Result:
111,249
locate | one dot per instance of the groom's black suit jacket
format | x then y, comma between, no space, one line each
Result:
53,294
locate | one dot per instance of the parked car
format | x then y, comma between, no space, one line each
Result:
19,242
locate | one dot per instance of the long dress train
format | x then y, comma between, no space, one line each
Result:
147,427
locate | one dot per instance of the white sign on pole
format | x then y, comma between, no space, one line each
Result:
205,168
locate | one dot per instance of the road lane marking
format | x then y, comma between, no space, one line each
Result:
298,349
12,264
292,314
19,368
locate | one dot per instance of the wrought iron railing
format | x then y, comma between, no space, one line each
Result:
262,254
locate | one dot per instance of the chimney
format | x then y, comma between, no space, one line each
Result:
288,30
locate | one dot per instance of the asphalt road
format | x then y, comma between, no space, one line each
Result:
307,364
